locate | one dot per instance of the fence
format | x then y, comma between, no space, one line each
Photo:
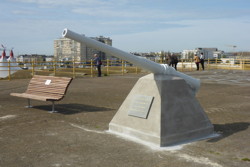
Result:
88,69
230,64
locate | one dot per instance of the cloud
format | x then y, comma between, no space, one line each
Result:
67,3
139,10
22,12
135,25
190,37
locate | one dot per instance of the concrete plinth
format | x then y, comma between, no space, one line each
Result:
175,116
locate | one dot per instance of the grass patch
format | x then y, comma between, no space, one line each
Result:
245,159
213,152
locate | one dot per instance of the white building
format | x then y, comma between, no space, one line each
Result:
209,53
188,54
67,49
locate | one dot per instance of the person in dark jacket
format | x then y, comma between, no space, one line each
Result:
173,61
98,63
202,61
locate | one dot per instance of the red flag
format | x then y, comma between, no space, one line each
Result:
11,54
3,54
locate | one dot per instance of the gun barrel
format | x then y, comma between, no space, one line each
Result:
138,61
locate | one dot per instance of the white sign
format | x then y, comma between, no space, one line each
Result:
48,82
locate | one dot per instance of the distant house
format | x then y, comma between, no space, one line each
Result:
209,53
34,58
49,58
188,54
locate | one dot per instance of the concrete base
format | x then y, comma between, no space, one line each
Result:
175,115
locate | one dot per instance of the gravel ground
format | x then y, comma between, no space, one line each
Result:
78,134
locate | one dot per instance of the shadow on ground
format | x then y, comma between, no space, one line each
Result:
73,108
228,129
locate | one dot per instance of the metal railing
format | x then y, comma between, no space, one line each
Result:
110,67
66,68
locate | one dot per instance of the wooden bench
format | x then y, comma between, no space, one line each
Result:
45,88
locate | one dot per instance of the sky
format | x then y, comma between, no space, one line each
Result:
31,26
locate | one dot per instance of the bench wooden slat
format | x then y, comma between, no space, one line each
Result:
55,86
46,94
47,90
39,89
37,97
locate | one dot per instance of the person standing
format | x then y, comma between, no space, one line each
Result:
175,61
170,60
202,61
197,61
98,63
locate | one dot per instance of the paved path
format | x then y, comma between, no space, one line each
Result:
232,77
77,135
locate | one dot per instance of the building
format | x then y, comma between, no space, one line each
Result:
31,58
209,53
188,54
67,49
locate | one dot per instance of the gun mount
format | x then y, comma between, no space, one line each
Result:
161,108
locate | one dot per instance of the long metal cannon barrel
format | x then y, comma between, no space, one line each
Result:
136,60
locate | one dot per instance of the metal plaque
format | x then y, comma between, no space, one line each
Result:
140,106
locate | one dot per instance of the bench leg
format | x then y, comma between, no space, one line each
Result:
28,106
53,107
